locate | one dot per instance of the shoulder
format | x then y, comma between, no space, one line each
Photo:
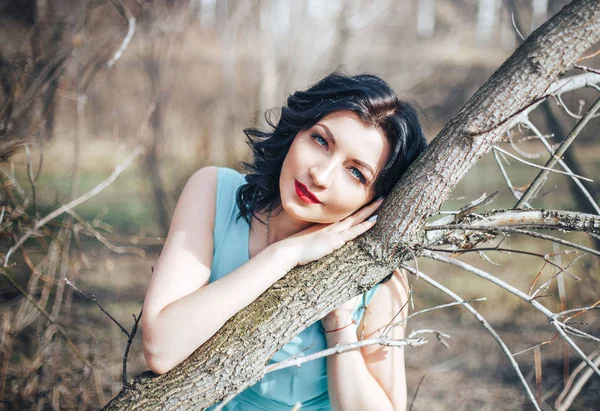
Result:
206,178
393,294
197,200
395,289
391,297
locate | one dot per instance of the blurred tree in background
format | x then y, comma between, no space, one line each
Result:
86,84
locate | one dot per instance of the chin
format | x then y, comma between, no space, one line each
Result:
298,212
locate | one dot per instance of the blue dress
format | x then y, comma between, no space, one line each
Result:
282,389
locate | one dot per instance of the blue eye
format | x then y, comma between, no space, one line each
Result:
320,140
358,175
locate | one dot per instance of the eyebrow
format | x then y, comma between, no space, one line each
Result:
330,135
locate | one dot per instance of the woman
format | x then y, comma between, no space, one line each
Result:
337,150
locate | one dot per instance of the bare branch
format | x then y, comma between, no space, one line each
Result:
59,327
581,354
31,178
509,183
578,310
572,388
585,68
83,198
562,85
136,321
438,307
539,179
485,324
578,333
546,257
416,392
548,147
482,201
102,239
512,220
540,167
124,11
482,274
338,349
93,299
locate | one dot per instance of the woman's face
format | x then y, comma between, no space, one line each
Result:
331,168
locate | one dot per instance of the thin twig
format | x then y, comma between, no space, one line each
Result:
124,11
556,240
31,180
438,307
505,176
103,240
562,403
416,392
578,333
581,354
585,68
557,274
548,147
579,310
482,274
130,338
338,349
93,299
536,346
485,324
391,324
507,251
59,326
539,179
537,361
81,199
514,23
562,85
540,167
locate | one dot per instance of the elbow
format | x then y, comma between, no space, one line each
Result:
157,359
154,356
154,353
156,363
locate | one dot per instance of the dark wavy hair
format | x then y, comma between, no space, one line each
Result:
367,95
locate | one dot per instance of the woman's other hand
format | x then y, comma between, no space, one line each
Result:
320,240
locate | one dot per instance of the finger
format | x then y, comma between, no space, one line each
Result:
367,210
353,232
360,215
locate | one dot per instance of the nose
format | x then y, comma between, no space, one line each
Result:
322,173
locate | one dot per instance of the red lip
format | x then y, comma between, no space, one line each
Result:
305,194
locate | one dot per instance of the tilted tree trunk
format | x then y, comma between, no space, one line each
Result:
235,357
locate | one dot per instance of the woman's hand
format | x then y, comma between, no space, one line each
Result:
320,240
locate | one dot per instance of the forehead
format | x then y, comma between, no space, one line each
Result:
358,139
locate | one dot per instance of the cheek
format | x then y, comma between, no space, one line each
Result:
347,202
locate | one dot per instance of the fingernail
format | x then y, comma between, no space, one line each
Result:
379,199
373,218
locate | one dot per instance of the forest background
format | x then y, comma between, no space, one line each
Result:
188,78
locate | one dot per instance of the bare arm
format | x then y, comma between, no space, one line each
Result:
374,376
182,310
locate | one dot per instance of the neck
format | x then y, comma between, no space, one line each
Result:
282,225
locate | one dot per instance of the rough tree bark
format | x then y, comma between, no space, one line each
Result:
235,357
